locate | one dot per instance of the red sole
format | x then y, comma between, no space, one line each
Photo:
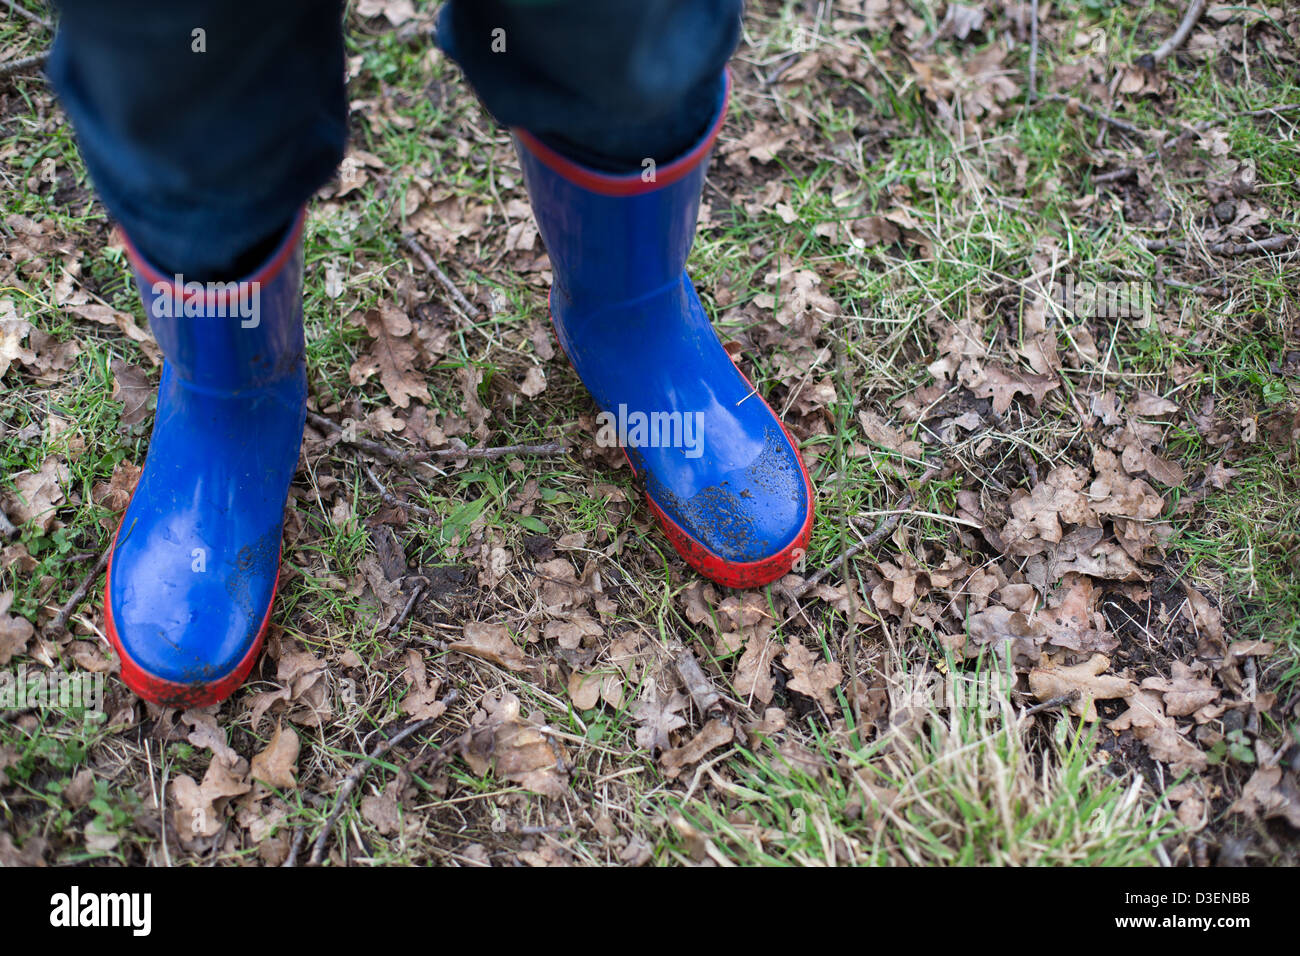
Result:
732,574
169,693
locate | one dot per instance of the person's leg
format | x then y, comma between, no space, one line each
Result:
206,126
608,84
615,107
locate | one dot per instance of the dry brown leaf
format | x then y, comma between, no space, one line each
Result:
658,717
1271,793
15,632
277,765
812,676
587,690
1087,679
882,433
1186,692
514,750
534,382
38,494
753,675
491,642
1002,385
131,387
381,811
714,734
1071,619
1147,719
392,355
12,333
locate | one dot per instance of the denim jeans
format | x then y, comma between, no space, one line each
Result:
204,155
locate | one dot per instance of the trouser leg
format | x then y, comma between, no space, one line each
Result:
608,84
205,124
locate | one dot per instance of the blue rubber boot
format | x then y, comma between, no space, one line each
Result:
194,566
722,474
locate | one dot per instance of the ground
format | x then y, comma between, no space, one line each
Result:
1029,307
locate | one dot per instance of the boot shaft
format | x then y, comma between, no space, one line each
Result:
229,336
614,238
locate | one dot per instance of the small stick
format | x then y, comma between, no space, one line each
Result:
391,499
1119,124
427,261
707,700
396,457
299,838
1193,14
1033,51
22,63
60,622
24,12
354,778
1115,175
1271,244
406,611
1051,702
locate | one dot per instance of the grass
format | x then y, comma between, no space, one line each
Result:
882,778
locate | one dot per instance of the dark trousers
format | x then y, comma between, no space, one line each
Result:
203,157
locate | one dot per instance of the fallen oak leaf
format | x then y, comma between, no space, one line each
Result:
516,751
1270,793
714,734
392,355
277,765
1184,693
491,642
15,632
1147,719
1086,680
38,494
658,717
812,676
1002,386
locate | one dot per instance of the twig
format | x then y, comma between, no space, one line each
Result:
1119,124
299,839
1115,175
1051,702
1206,125
354,778
24,12
883,530
60,622
1271,244
406,611
466,307
391,499
1033,51
707,699
1196,289
22,63
393,456
1150,60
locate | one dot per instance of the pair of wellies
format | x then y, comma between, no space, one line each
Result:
194,566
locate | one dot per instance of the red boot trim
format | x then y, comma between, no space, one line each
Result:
169,693
626,184
265,274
